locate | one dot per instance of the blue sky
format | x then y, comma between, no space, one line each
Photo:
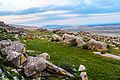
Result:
62,12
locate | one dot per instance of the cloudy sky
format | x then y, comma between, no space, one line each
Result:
63,12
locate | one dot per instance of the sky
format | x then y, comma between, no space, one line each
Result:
60,12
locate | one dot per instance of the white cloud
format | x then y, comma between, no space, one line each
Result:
88,2
14,5
92,19
71,19
53,12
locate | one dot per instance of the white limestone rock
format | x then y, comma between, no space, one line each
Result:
84,76
81,68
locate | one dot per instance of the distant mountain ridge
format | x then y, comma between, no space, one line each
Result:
69,26
99,28
55,26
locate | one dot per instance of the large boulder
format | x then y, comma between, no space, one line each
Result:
74,40
38,65
80,41
17,59
97,45
15,53
18,47
34,65
68,38
56,38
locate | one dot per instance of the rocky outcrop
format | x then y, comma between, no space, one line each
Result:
34,65
97,45
68,38
15,53
80,41
2,24
56,38
74,40
59,32
5,43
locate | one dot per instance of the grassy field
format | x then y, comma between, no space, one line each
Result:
98,68
114,51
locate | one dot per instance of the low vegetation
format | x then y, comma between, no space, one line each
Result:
98,68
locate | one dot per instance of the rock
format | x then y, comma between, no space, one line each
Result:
2,24
117,48
79,41
56,38
5,43
30,51
16,78
17,47
97,45
59,32
57,70
68,38
81,68
14,57
84,76
97,52
74,40
16,36
45,56
42,30
34,65
15,53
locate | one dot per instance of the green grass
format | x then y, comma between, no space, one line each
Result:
40,33
114,51
98,67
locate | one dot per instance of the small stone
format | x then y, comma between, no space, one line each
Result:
84,76
81,68
97,52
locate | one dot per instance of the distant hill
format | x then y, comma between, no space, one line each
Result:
25,27
55,26
100,29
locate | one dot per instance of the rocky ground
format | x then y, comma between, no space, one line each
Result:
66,55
